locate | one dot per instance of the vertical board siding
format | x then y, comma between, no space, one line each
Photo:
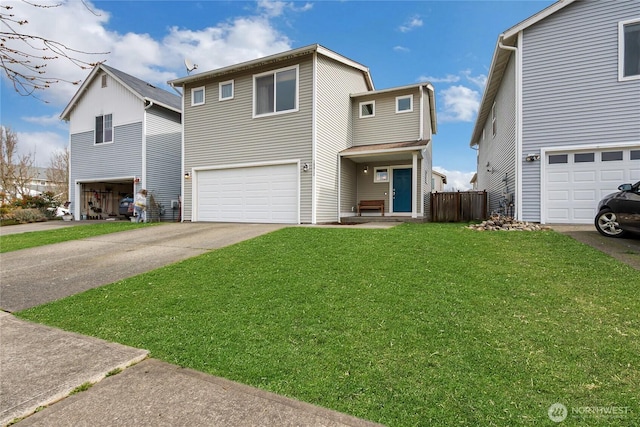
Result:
499,150
387,125
571,92
224,132
335,82
163,153
95,101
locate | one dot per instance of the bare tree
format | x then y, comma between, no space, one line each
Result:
17,171
58,174
24,55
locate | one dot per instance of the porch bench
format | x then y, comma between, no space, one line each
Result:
371,205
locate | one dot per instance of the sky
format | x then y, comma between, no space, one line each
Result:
447,43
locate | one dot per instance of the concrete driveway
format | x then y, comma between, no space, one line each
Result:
31,277
625,249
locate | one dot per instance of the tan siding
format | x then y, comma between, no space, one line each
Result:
369,190
348,186
333,133
387,125
224,132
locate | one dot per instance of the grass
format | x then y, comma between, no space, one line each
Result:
14,242
422,324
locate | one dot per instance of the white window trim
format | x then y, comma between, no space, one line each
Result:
398,98
195,89
274,72
233,90
621,26
375,173
365,103
112,130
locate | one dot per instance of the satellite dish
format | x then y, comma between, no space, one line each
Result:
190,66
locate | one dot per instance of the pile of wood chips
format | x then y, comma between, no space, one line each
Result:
506,223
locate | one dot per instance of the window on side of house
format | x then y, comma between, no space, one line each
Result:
226,90
381,174
404,104
494,124
367,109
629,50
275,92
197,96
104,129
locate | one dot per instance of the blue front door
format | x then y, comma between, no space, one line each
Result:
402,190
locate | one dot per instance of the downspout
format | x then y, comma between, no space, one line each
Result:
143,181
518,119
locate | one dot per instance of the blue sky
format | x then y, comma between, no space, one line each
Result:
449,43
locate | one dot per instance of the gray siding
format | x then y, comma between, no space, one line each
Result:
571,92
499,150
335,81
376,130
163,144
224,132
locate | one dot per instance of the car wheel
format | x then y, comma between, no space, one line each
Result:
607,224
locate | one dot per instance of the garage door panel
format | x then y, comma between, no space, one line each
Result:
251,194
573,189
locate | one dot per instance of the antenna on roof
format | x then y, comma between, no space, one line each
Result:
190,66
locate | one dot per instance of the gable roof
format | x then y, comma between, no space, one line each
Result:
282,56
501,55
143,90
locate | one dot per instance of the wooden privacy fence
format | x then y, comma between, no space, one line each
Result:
459,206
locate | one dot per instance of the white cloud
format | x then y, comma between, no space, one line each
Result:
460,104
41,145
480,80
449,78
52,120
156,61
401,49
411,24
456,180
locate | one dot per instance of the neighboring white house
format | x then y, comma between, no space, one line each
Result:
302,137
559,122
125,135
438,181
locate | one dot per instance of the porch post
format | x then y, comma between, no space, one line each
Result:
414,187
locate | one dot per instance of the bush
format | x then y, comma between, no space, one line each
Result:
24,216
45,203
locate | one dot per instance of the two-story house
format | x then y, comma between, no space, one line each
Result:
125,135
302,137
559,122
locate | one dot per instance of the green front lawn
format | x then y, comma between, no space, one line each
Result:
14,242
422,324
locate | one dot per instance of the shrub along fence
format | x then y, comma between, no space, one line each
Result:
459,206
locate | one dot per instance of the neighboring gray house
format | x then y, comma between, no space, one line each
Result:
125,135
559,123
303,137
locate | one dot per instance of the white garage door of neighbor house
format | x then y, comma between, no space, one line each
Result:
262,194
575,181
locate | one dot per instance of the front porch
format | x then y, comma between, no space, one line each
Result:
390,174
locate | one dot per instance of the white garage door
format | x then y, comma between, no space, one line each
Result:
575,181
263,194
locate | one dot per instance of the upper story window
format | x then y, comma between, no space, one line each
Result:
629,50
404,104
275,91
367,109
197,96
104,128
226,90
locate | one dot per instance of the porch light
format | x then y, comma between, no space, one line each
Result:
187,175
366,169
